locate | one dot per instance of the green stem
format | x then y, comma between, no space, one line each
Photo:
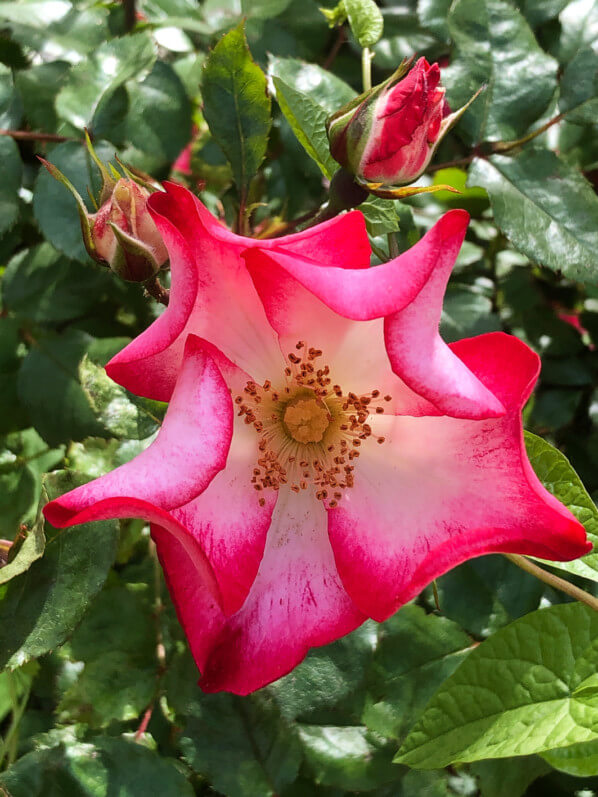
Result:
505,146
366,68
380,253
553,581
8,746
393,245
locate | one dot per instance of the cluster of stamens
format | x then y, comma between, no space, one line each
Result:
310,431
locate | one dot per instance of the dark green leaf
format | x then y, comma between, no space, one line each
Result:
12,172
38,87
159,121
579,28
61,412
237,106
109,765
308,122
323,87
495,47
415,654
264,9
433,16
40,608
527,689
380,216
97,77
347,757
539,11
43,286
579,88
508,778
545,207
241,746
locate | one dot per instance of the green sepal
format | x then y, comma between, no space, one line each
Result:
132,261
337,16
84,216
108,182
402,192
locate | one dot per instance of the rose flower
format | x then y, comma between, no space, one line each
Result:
325,454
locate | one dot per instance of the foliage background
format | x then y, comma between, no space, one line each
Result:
97,688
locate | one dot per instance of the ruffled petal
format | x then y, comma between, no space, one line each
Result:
212,295
190,449
296,602
444,489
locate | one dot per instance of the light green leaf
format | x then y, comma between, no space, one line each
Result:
237,106
112,404
31,549
40,608
522,691
545,207
12,173
366,21
580,760
495,47
556,474
308,122
380,216
96,78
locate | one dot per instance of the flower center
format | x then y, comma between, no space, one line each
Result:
309,430
306,419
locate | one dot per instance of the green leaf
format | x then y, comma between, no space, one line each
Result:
264,9
308,122
17,495
579,28
322,86
545,207
498,778
539,11
31,549
113,405
347,757
240,745
107,765
580,760
61,412
556,474
159,120
55,208
12,173
415,654
40,608
433,15
380,216
520,692
11,105
579,88
38,87
43,286
96,78
466,311
236,106
495,47
366,21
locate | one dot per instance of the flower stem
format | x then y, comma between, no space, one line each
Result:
553,581
505,146
366,68
393,245
28,135
155,289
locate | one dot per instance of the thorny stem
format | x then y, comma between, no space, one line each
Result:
28,135
553,581
155,289
505,146
366,68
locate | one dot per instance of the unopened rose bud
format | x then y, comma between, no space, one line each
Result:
124,235
121,234
387,136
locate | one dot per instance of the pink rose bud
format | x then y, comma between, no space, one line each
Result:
387,136
124,235
121,234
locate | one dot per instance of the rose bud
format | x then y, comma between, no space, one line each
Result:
387,136
121,234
